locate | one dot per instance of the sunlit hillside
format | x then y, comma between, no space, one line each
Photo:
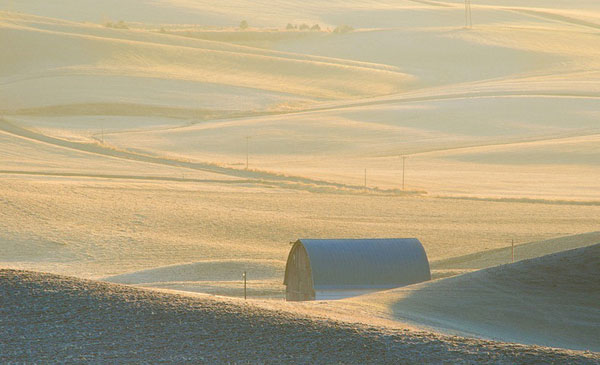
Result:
321,104
175,144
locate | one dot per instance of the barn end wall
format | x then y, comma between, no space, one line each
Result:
298,275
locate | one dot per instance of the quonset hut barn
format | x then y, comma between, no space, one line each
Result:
320,269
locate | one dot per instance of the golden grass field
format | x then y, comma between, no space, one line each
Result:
123,145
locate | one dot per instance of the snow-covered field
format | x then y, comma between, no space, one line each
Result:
157,144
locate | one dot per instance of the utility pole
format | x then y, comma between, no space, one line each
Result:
247,150
468,21
403,171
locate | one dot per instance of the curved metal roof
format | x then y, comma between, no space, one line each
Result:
365,263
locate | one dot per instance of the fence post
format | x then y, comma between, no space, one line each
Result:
512,250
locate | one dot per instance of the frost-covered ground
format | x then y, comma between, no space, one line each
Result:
56,318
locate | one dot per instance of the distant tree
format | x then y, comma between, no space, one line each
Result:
243,25
343,29
120,25
290,26
162,30
316,28
304,26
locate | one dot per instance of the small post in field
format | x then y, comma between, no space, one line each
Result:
244,277
512,250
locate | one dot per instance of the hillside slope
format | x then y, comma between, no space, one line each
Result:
550,300
56,318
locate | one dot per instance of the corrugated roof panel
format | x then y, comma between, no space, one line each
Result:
366,263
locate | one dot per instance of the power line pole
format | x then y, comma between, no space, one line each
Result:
403,171
468,20
247,150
